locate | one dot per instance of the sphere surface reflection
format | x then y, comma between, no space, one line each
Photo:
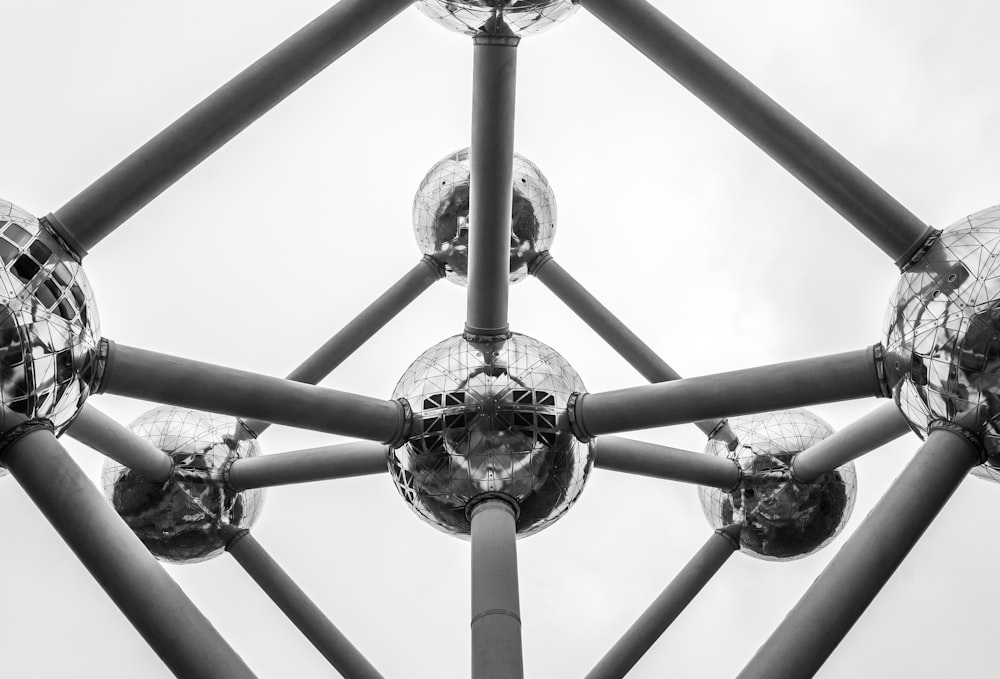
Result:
782,519
49,329
487,422
497,17
185,518
942,335
441,215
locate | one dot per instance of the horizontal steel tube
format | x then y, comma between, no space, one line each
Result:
874,430
649,459
300,609
147,172
160,611
827,611
182,382
893,228
316,464
782,385
655,620
98,431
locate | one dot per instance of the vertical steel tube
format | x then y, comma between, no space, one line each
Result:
655,620
160,611
95,429
496,611
491,183
134,182
663,462
316,464
883,220
611,330
820,620
300,609
362,328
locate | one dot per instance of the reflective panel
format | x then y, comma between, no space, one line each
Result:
488,420
782,519
49,330
441,215
942,335
497,17
183,519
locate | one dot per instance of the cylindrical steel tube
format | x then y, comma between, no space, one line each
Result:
491,183
300,609
496,610
893,228
655,620
95,429
820,620
151,169
182,382
872,431
160,611
316,464
664,462
823,379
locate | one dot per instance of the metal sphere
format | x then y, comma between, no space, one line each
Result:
497,17
488,421
189,517
441,215
942,337
782,519
49,329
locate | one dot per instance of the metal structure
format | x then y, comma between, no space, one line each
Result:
490,435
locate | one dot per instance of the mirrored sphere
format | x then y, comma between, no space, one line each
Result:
782,519
441,216
185,518
942,336
497,17
488,421
49,329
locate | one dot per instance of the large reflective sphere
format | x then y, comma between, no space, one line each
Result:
487,422
497,17
441,215
49,330
943,332
184,519
782,519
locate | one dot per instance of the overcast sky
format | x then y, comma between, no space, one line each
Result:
703,245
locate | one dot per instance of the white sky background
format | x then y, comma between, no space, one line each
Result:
703,245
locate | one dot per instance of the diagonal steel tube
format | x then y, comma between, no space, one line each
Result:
655,620
300,609
362,327
876,214
98,431
133,183
151,376
874,430
609,328
491,157
824,379
663,462
315,464
160,611
827,611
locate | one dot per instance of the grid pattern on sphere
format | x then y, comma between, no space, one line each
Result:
782,519
521,17
943,332
49,329
487,420
183,519
441,215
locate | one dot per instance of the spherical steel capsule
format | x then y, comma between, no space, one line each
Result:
189,517
488,421
497,17
782,519
49,329
441,215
